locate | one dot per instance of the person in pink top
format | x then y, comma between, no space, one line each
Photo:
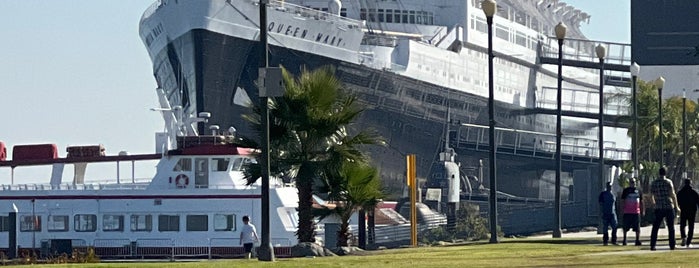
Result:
632,209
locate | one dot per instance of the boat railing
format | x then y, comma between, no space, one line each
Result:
539,144
576,100
584,50
309,13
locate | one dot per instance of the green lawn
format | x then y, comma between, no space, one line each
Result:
508,253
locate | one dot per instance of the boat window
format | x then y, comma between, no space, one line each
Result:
57,223
169,223
185,164
113,223
219,164
237,164
85,223
197,223
4,223
224,222
30,223
141,223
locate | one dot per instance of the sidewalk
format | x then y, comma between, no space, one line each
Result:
631,237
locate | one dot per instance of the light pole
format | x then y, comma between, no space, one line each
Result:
684,133
601,53
560,35
266,253
635,69
489,8
660,83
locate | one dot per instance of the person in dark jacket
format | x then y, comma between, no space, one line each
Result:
688,199
607,204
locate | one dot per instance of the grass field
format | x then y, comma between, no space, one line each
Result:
508,253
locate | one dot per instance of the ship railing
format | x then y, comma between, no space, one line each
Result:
539,144
309,13
584,50
582,101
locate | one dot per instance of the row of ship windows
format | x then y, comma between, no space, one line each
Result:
397,16
115,223
217,164
505,33
465,79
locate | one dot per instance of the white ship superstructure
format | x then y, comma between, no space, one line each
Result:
410,61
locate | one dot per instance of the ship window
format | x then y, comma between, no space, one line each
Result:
197,223
219,164
405,16
85,223
389,15
4,223
412,16
396,15
223,222
418,18
362,14
381,15
184,164
168,223
113,223
57,223
30,223
237,164
141,223
502,33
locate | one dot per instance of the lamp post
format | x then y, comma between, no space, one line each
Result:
489,7
601,53
560,35
684,133
266,253
635,69
660,83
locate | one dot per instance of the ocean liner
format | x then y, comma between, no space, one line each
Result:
413,64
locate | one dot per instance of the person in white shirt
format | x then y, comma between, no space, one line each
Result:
248,236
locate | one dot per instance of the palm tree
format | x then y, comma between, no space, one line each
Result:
309,135
358,188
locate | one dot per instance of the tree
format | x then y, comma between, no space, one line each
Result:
648,135
356,186
310,135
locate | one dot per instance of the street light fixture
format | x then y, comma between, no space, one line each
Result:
560,30
660,83
635,69
601,53
489,7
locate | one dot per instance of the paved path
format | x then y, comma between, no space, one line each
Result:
662,244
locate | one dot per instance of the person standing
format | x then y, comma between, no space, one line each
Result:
607,203
248,236
688,200
633,210
664,200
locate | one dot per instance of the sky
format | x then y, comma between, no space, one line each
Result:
75,72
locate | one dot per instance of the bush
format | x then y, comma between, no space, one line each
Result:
470,226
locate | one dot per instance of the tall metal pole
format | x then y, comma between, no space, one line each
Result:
491,136
660,83
684,133
266,253
634,141
560,35
601,51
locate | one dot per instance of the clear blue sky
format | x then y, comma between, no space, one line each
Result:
75,72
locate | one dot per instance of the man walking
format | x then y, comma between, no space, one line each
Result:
607,203
633,209
689,200
664,200
248,235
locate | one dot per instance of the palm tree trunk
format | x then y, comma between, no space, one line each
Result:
304,185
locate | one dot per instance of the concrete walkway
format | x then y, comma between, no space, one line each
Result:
661,245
